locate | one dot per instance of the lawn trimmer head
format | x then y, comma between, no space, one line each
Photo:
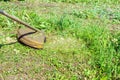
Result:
29,36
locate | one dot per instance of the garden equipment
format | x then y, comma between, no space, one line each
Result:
29,36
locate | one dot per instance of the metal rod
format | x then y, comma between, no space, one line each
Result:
17,20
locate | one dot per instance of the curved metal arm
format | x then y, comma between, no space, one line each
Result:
17,20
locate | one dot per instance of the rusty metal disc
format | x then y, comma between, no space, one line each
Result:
31,38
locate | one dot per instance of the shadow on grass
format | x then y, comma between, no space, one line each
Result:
1,45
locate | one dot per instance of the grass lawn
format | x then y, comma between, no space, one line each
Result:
83,40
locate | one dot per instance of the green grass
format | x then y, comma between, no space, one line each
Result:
83,40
